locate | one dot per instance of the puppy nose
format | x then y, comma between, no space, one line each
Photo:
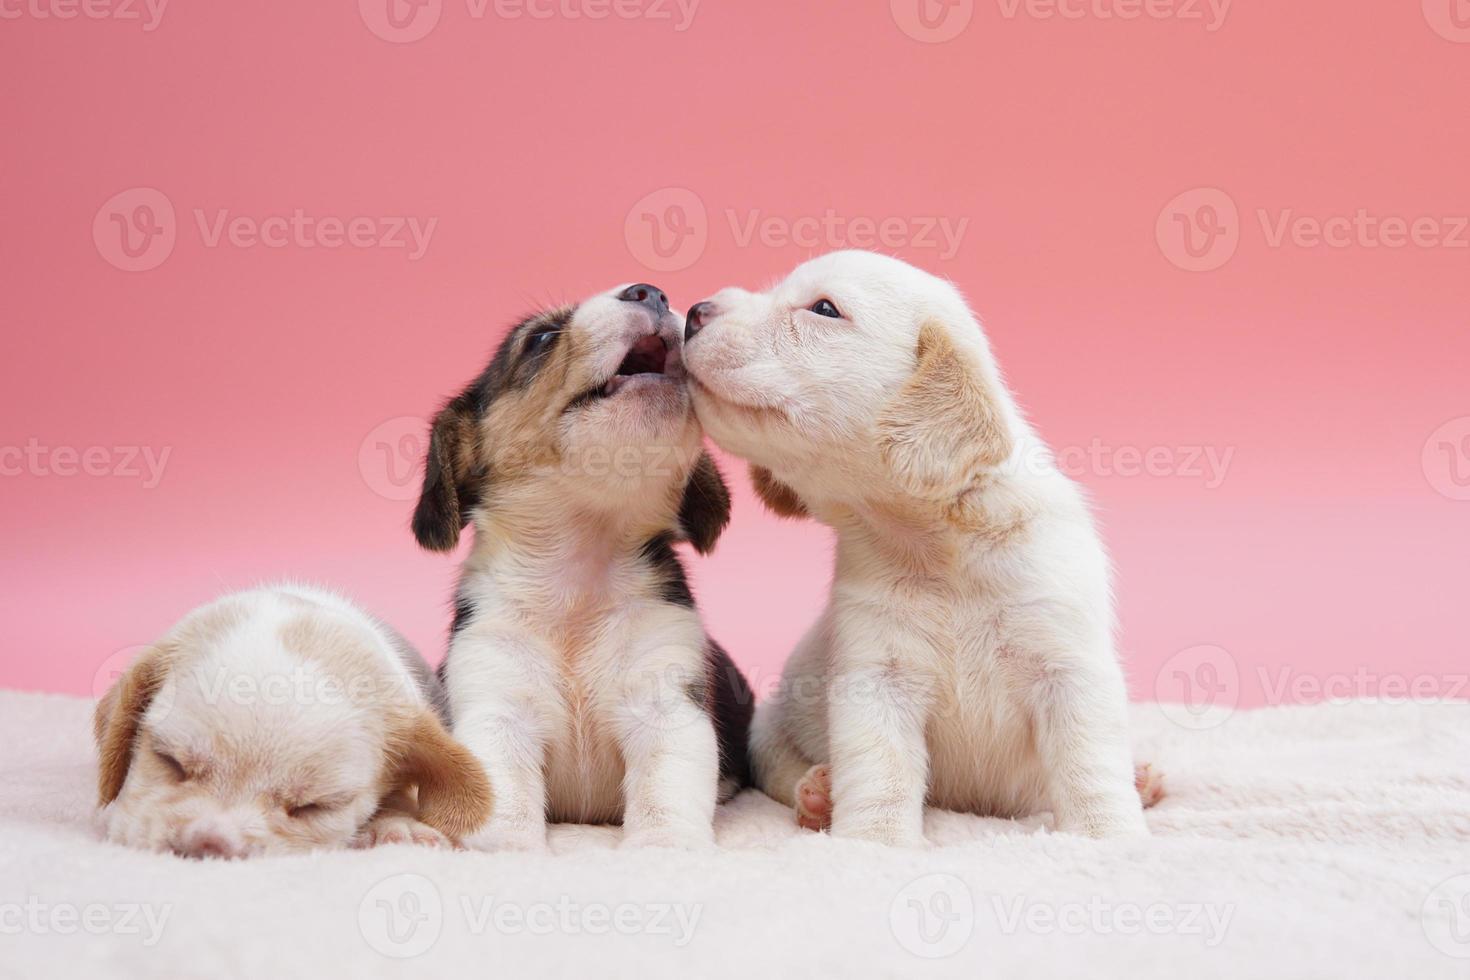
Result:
209,842
646,295
699,315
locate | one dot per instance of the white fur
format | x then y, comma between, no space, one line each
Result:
258,725
570,681
955,663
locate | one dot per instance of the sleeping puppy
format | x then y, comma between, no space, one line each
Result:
578,669
276,720
965,655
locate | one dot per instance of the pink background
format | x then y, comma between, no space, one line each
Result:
1336,543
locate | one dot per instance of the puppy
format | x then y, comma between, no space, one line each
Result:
965,655
277,720
578,669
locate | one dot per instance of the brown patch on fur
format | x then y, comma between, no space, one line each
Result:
115,724
944,426
348,654
454,795
777,496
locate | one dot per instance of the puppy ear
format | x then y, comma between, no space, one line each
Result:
705,510
777,496
115,723
447,496
945,425
453,792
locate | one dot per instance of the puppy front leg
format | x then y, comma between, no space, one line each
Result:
672,762
500,707
878,706
1081,733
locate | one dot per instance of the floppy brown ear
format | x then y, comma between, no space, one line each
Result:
453,791
945,424
447,495
115,723
704,511
777,496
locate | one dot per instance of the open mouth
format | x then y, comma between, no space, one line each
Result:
650,356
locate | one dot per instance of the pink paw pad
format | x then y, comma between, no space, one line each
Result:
1150,784
814,799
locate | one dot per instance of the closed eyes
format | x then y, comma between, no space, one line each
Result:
173,765
316,808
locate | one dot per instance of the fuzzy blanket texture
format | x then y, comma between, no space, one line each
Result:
1323,841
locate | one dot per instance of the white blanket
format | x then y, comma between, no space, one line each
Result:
1295,842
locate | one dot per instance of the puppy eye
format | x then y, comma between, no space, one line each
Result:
306,810
825,307
174,765
541,340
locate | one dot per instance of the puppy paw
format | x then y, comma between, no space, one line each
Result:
814,799
1150,784
397,828
526,840
668,837
1106,826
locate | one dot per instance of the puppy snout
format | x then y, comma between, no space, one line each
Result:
648,296
203,839
699,315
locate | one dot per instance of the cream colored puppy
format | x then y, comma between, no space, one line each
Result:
579,671
276,720
965,656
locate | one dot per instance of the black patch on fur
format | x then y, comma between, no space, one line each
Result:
673,584
453,484
731,705
464,609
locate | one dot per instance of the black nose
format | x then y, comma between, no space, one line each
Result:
649,296
699,315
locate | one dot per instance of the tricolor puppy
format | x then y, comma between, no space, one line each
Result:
965,656
276,720
579,671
